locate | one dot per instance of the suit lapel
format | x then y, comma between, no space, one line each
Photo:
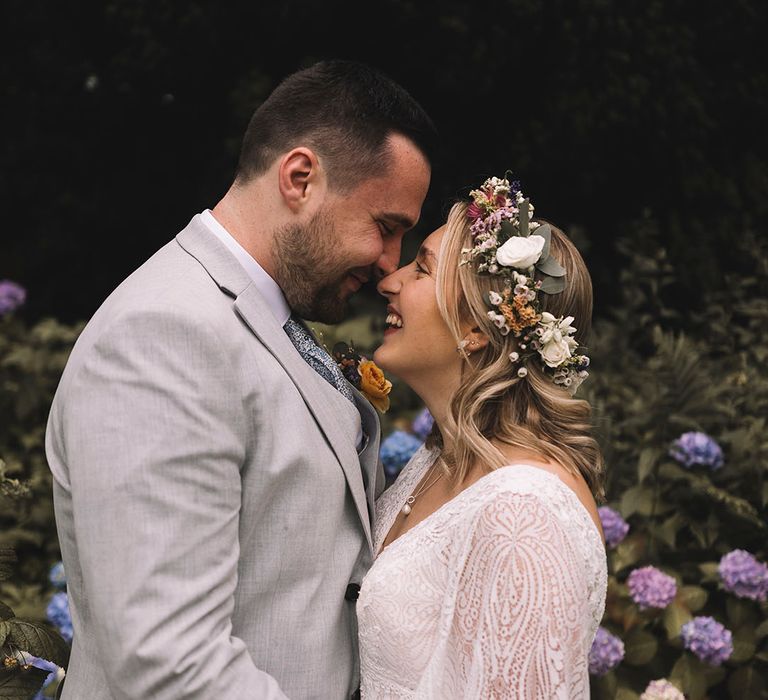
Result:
251,307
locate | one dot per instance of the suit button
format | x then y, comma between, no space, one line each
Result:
353,591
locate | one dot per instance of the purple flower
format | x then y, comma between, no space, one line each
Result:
606,652
396,450
422,424
651,588
697,448
743,575
57,613
661,689
56,575
615,528
12,296
54,672
708,639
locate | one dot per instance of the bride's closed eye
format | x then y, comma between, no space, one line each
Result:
419,269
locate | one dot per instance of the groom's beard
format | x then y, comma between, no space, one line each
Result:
309,271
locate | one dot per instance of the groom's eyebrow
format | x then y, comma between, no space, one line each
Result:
399,219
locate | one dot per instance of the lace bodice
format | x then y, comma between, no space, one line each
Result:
497,594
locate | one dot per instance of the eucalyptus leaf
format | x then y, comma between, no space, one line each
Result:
550,266
552,285
545,231
506,231
523,218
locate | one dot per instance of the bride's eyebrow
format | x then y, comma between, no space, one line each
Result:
427,253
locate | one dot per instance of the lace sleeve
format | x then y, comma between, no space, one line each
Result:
517,621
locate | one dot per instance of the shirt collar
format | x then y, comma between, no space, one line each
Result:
268,288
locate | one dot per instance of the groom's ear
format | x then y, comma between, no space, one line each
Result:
299,178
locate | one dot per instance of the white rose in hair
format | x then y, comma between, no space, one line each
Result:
520,252
556,352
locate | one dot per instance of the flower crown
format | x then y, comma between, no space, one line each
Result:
510,245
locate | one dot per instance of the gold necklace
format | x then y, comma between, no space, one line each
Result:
406,509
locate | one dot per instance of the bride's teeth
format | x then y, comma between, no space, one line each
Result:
394,320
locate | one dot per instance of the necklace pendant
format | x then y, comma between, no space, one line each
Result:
406,509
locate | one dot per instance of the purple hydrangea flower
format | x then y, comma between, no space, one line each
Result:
422,424
743,575
708,639
651,588
606,652
12,296
396,450
661,689
57,613
615,528
56,575
697,448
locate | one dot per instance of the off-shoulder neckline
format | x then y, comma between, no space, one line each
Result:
515,468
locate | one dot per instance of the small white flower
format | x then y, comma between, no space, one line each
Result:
522,372
520,252
493,269
514,356
495,298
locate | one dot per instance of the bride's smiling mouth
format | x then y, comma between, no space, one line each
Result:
393,322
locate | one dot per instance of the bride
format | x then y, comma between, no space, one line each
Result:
490,574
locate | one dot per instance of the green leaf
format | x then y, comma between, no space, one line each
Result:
7,559
639,647
746,682
5,630
627,553
626,694
552,285
709,571
667,531
686,674
762,630
744,644
5,612
693,597
38,640
523,218
507,230
646,462
21,684
675,616
739,612
637,499
550,266
545,231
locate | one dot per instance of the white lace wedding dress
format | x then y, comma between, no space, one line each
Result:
497,594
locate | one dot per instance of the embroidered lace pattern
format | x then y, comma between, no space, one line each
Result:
498,594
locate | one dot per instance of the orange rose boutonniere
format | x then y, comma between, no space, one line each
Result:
364,375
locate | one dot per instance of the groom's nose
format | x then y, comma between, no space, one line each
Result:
390,257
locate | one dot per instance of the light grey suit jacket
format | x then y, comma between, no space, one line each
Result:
211,506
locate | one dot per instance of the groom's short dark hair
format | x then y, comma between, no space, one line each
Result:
345,111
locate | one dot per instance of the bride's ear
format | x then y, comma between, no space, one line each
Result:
474,340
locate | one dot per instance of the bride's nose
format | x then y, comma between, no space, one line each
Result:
389,285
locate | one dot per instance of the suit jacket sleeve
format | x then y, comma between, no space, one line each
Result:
154,435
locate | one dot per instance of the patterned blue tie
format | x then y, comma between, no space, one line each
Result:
316,357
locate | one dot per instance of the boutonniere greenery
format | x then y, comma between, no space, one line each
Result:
363,374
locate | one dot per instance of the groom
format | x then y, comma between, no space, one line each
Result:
213,475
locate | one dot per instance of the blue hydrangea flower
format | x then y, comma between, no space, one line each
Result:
396,450
651,588
56,575
54,672
661,689
606,653
57,613
743,575
708,639
615,528
697,448
12,296
422,423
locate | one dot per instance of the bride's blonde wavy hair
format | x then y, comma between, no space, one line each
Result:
492,402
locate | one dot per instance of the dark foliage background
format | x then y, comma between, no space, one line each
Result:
123,119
